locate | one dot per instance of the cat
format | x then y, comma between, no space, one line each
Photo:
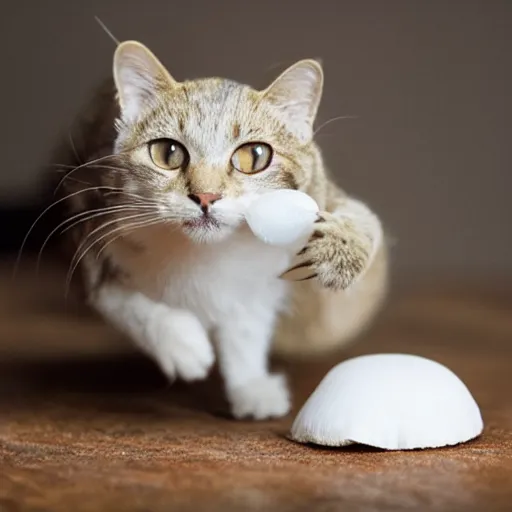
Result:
154,194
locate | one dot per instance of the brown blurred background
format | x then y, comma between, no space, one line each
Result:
429,82
87,426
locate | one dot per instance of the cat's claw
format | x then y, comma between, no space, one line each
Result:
340,249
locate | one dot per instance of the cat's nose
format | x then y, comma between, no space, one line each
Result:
204,200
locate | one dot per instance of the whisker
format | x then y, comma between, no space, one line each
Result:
103,226
99,211
64,166
81,166
136,196
55,203
107,30
229,215
117,190
79,181
90,165
128,228
332,120
110,167
67,167
79,256
70,177
73,147
124,233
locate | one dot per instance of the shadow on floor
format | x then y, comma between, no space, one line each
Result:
124,382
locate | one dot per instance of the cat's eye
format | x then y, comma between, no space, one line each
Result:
252,157
168,154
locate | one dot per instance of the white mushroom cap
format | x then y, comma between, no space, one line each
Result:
389,401
282,217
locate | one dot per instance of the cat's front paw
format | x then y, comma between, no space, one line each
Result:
180,344
262,398
341,248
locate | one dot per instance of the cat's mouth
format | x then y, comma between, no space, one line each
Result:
206,228
205,221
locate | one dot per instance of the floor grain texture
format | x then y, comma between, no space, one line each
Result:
86,425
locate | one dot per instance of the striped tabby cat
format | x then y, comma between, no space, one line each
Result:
155,197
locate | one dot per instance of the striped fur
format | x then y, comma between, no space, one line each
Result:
153,269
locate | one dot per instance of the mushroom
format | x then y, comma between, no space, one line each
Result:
389,401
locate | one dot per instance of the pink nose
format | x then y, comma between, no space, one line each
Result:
204,200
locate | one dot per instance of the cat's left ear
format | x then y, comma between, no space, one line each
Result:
138,76
297,93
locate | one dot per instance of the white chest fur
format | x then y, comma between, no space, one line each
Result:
211,280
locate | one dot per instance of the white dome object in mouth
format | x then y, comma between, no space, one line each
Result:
282,217
389,401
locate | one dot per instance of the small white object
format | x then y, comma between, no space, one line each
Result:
389,401
282,217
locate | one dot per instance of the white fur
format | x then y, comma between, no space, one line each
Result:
194,283
173,337
180,292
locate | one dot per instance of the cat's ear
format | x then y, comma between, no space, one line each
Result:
297,93
138,75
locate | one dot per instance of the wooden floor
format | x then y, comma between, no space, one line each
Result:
88,426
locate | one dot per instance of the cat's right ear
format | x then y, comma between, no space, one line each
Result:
138,75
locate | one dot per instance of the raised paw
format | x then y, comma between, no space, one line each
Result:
180,344
262,398
340,249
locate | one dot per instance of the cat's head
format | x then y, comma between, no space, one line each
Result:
204,148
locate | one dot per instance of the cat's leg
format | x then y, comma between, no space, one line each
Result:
348,253
243,347
174,338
